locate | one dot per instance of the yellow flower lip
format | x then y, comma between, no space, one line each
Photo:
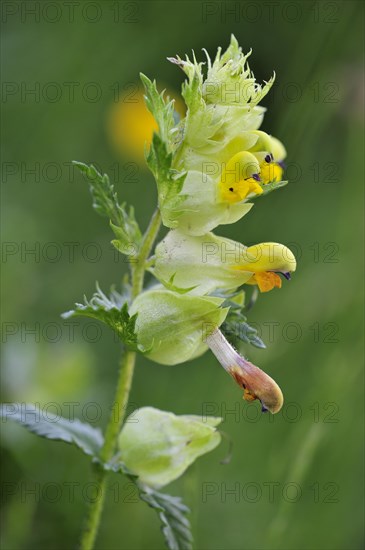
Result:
254,381
266,261
240,177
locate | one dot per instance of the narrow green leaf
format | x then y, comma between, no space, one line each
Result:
161,108
236,327
169,181
171,510
239,330
172,513
113,311
51,426
268,187
105,202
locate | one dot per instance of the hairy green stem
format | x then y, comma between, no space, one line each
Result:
121,395
145,249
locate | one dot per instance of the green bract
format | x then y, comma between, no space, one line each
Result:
172,326
159,446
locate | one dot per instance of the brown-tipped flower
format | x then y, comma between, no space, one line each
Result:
255,382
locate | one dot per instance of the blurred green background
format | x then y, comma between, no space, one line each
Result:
295,480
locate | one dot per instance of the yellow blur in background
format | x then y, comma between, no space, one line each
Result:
130,125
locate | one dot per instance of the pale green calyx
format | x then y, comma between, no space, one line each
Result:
209,262
203,262
172,327
159,446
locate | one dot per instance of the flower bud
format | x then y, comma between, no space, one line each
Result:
158,446
172,326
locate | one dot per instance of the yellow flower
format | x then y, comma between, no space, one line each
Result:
270,171
240,178
247,171
267,260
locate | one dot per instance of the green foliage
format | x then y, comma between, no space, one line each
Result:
112,311
169,181
84,436
105,202
162,109
172,513
236,327
268,187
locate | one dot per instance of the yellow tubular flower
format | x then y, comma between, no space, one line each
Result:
270,153
240,178
268,259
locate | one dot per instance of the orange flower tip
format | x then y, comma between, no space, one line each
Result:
267,280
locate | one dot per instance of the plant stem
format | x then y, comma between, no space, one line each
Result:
119,407
146,245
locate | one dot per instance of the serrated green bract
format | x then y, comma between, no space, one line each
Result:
105,202
161,108
172,513
236,327
169,181
158,446
51,426
112,311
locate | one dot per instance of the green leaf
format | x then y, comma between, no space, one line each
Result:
268,187
112,311
105,202
51,426
159,158
236,327
158,446
172,513
169,181
161,108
